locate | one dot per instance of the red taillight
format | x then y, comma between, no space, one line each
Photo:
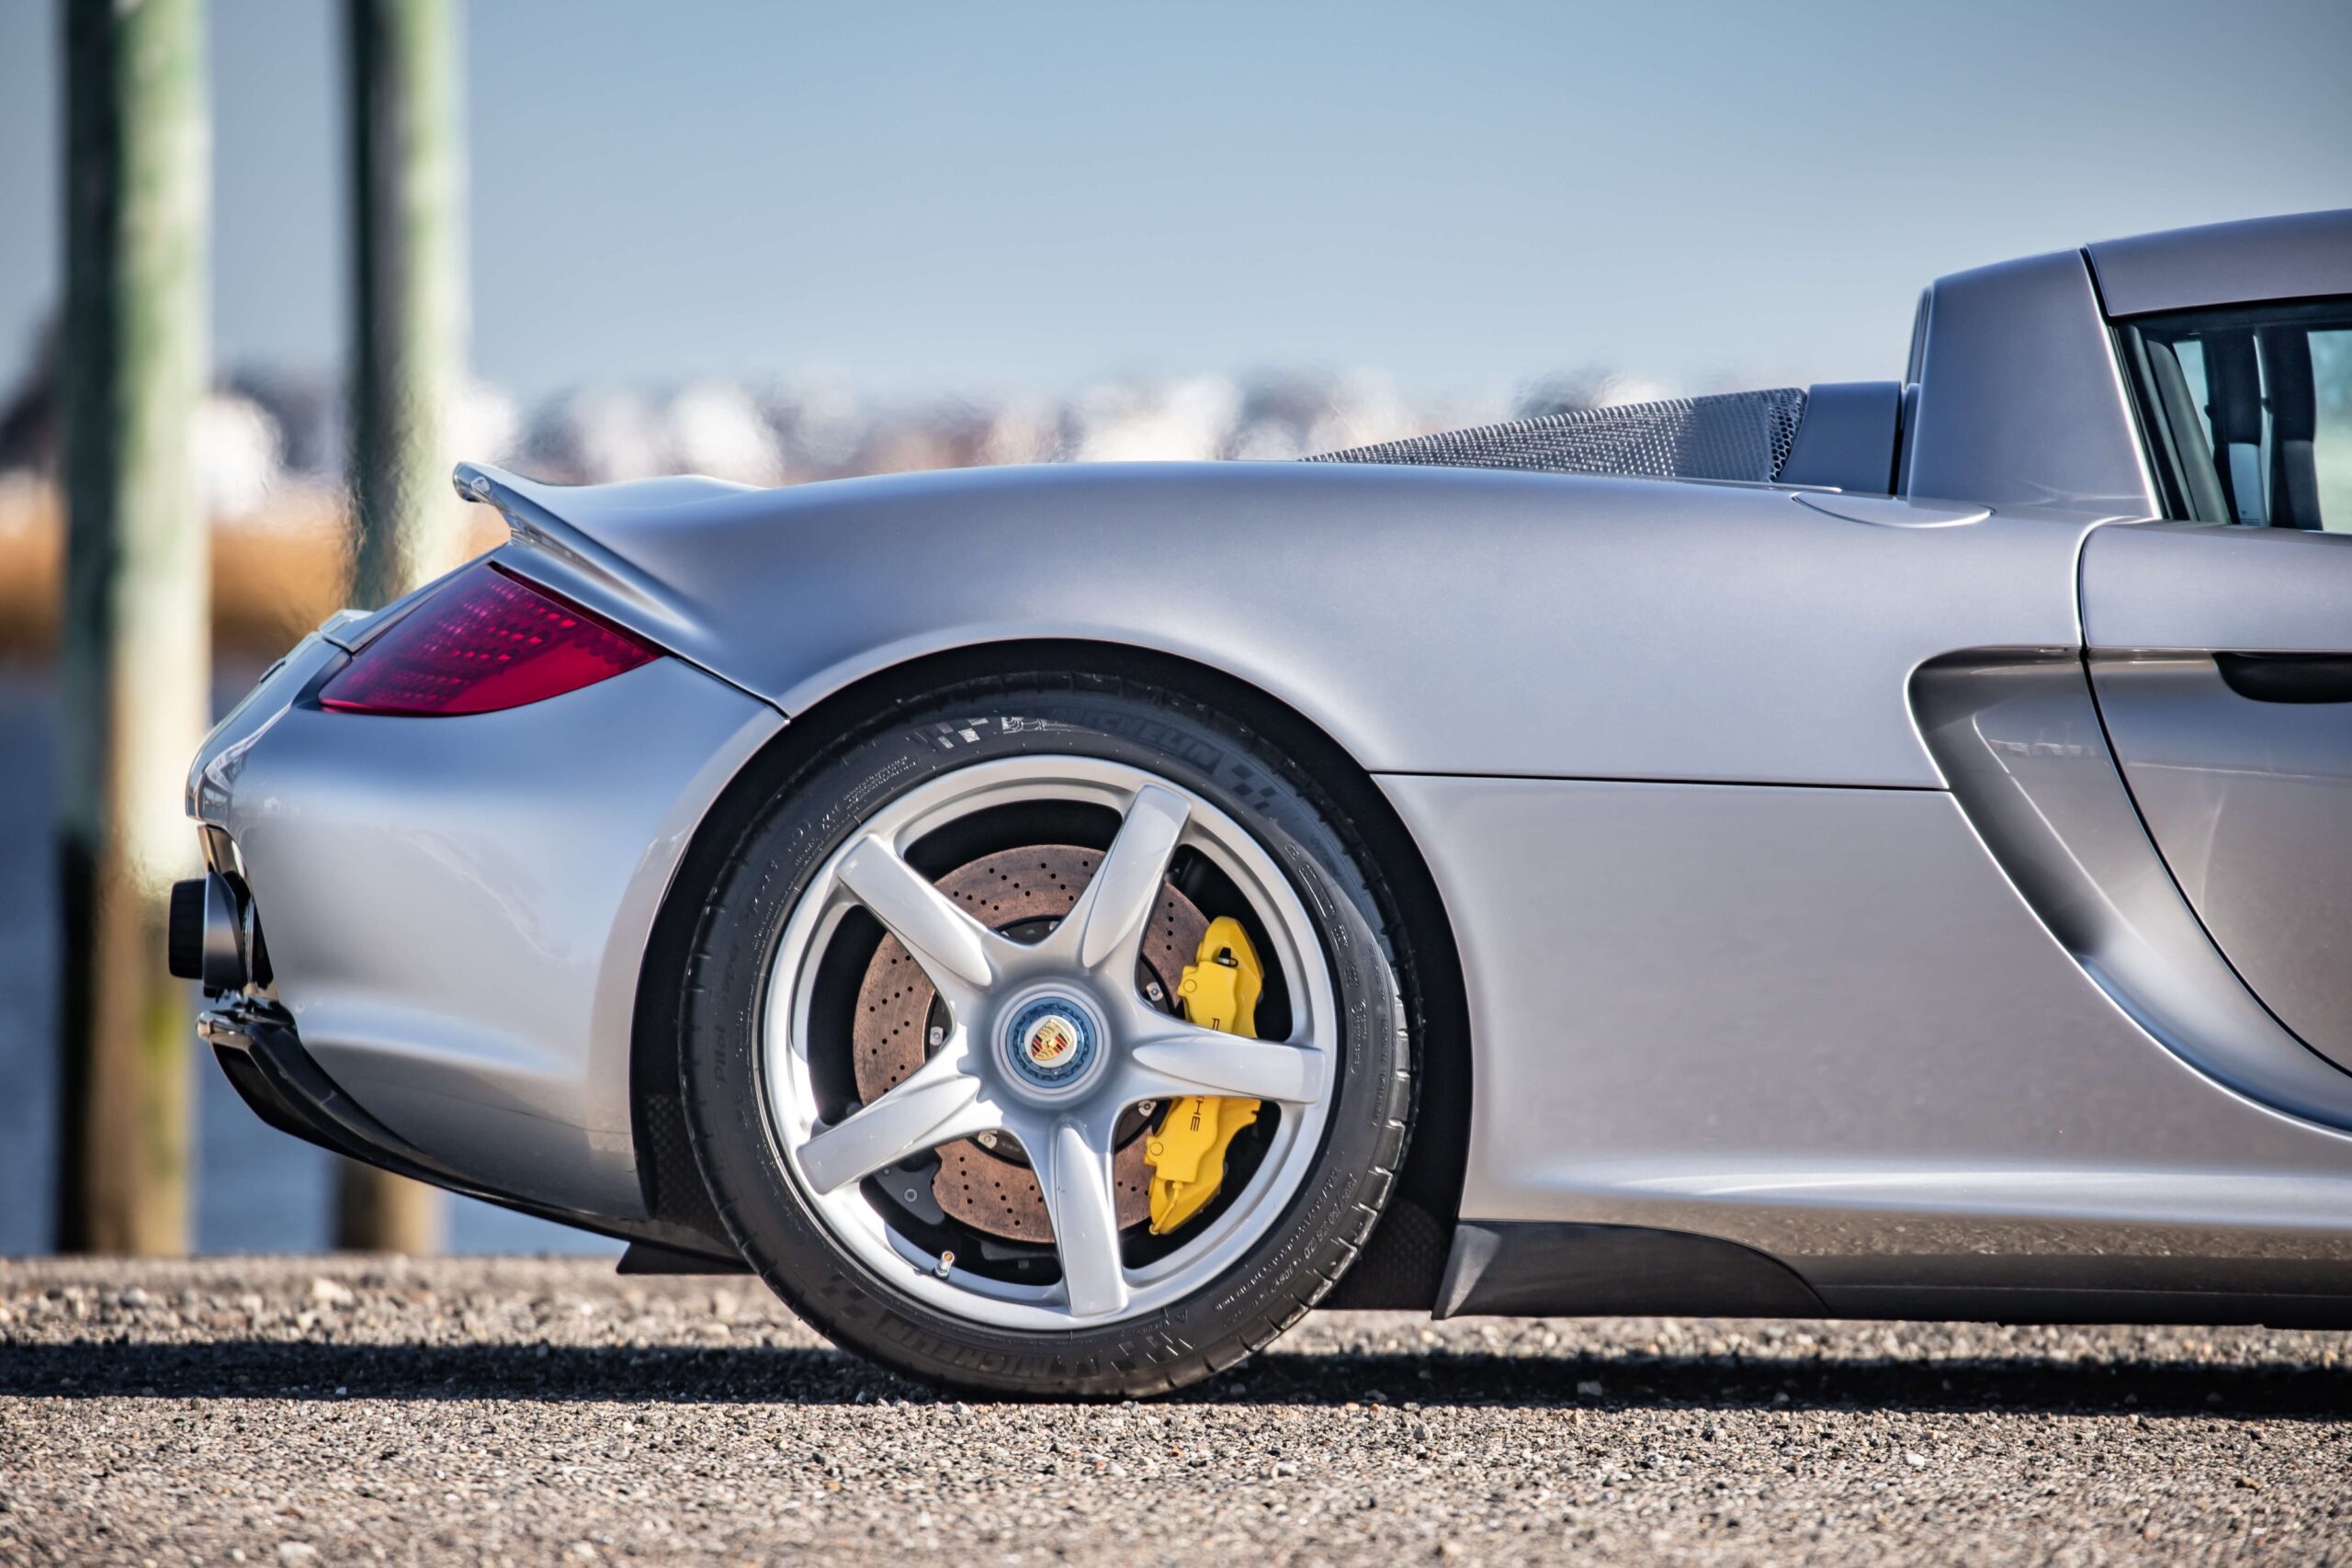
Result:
485,642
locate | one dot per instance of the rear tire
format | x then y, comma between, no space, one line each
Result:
850,1263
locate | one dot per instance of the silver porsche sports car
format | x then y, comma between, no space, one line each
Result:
1879,849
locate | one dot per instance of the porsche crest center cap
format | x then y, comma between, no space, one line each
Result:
1051,1043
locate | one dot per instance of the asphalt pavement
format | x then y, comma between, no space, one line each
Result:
295,1411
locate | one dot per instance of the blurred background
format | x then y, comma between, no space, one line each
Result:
268,266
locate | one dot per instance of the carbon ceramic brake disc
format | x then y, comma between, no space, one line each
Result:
984,1188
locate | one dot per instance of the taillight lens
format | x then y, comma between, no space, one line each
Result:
487,642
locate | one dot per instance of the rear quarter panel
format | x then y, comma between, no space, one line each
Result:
1430,620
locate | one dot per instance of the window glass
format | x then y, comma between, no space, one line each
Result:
2192,365
2251,413
2332,372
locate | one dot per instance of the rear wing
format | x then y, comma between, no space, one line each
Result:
552,532
533,523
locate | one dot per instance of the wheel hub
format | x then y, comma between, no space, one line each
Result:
1052,1044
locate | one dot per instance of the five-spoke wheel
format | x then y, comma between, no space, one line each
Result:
936,1038
1050,1041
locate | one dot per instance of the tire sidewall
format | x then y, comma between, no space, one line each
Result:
723,1019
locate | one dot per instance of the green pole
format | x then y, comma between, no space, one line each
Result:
408,326
407,354
133,652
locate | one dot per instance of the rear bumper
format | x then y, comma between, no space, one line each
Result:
264,1060
455,912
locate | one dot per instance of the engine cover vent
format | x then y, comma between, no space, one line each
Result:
1734,436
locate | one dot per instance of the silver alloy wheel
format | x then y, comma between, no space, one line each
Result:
1049,1043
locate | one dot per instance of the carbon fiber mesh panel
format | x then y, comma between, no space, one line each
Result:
1734,435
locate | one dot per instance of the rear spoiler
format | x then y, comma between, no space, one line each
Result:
589,569
564,554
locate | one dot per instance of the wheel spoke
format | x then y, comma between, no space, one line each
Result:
951,946
1075,1176
937,1104
1118,901
1178,1059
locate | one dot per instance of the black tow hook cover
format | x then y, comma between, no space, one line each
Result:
210,940
187,941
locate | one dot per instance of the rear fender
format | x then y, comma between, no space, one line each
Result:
1428,620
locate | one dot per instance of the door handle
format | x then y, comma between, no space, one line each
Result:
2288,677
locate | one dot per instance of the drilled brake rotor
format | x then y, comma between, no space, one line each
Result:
1011,888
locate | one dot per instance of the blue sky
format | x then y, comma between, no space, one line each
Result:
979,196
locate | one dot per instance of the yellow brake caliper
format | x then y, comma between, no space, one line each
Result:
1187,1151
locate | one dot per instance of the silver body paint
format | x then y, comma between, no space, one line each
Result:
1802,896
456,909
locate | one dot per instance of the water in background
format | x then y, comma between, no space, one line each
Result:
256,1190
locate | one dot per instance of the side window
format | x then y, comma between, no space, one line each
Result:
2250,411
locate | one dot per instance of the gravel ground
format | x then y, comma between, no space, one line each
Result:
293,1411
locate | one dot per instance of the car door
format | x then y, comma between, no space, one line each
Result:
2221,646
